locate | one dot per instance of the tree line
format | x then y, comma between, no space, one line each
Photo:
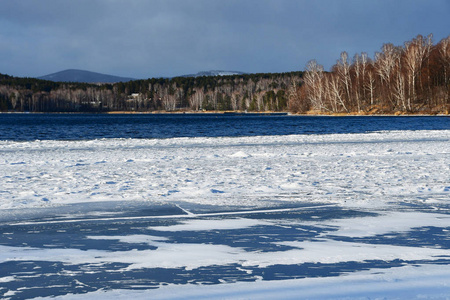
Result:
252,92
411,78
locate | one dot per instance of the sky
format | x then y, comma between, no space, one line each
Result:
165,38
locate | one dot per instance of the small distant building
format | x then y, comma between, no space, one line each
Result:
134,96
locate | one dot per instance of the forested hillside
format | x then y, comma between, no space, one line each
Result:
252,92
412,78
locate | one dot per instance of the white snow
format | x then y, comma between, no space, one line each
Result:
7,279
351,169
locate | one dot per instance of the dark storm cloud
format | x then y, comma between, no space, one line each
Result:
140,38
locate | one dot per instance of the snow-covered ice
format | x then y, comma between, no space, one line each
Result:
352,169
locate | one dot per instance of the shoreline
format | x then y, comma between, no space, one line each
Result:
242,113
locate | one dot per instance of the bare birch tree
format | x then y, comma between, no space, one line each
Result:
357,66
364,65
314,85
414,53
385,63
343,71
335,86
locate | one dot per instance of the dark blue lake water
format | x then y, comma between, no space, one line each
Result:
24,127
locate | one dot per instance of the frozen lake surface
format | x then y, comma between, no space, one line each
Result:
160,251
289,216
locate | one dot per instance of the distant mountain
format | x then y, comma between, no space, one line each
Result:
72,75
214,73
